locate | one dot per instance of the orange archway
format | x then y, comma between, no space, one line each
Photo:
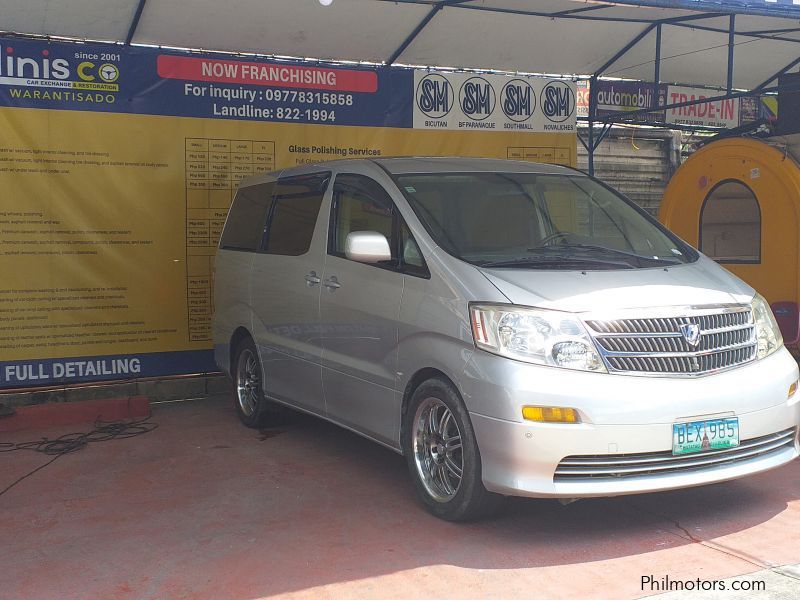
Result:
738,201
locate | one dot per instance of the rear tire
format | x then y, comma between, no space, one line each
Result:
442,454
253,408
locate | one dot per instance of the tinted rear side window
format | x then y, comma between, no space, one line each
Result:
245,225
295,209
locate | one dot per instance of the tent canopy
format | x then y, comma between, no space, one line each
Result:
569,37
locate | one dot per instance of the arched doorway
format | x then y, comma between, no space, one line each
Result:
730,224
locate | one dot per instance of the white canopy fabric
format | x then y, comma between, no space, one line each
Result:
568,37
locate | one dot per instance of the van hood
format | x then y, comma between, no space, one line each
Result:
701,283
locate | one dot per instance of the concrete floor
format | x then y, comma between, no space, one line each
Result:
205,508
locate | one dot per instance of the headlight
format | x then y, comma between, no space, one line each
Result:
543,337
768,334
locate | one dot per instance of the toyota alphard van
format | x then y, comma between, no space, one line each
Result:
511,328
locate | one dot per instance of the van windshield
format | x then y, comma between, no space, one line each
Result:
541,221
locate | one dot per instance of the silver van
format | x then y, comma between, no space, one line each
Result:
511,328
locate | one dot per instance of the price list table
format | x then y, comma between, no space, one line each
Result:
558,156
214,168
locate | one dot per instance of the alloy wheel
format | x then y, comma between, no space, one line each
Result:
248,381
438,453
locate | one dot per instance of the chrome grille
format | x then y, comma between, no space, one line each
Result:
658,346
614,466
739,316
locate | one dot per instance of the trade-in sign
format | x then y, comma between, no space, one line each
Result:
718,113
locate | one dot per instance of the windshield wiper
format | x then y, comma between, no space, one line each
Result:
556,262
564,250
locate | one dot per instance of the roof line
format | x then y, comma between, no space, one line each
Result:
751,34
694,14
580,10
515,11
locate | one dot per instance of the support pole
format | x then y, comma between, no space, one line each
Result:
657,67
583,142
603,133
625,49
418,29
134,22
592,114
731,31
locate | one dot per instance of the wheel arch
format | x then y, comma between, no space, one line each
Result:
238,335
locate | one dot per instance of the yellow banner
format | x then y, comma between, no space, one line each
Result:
110,223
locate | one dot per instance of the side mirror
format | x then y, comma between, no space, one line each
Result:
367,247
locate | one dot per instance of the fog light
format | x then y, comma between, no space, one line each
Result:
792,389
549,414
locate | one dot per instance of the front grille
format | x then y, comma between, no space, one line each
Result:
661,346
719,320
615,466
685,365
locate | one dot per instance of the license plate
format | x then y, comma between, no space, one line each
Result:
700,436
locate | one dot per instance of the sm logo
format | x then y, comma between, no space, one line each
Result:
477,98
518,100
557,101
435,96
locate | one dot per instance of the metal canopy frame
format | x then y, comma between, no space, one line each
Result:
694,13
700,10
606,121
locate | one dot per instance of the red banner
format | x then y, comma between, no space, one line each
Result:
266,74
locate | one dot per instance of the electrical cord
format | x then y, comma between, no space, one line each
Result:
72,442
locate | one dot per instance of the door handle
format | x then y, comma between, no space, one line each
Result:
332,283
312,279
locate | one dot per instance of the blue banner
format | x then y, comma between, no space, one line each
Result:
62,371
146,81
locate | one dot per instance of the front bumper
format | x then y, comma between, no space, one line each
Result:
620,415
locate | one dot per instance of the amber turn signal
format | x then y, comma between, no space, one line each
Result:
550,414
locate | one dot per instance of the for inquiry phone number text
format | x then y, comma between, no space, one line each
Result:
271,95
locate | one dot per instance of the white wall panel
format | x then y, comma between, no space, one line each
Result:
469,38
348,29
90,19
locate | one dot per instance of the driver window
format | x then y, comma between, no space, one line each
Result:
360,204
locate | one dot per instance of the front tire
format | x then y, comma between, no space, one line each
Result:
442,454
253,408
